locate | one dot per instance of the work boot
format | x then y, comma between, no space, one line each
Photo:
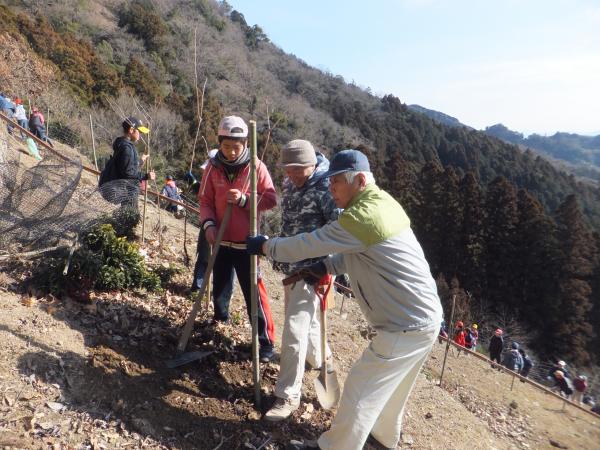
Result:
266,354
282,409
378,445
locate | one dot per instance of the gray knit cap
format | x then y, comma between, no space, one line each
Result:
298,153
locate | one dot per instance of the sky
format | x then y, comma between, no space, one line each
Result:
533,65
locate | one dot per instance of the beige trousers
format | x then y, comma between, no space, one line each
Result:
377,389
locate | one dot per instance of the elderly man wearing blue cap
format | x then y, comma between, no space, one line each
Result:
373,243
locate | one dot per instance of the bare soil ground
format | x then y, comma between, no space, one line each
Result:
92,375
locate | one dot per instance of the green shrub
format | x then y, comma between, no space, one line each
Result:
104,262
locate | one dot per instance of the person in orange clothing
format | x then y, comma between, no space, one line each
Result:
459,334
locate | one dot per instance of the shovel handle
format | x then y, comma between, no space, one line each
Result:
322,289
187,329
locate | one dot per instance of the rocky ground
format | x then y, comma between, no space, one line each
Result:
93,375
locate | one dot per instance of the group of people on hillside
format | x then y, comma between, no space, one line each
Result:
335,220
563,382
517,360
34,122
466,337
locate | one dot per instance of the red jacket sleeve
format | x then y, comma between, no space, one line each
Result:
206,197
267,196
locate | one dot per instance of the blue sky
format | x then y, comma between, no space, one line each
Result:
532,65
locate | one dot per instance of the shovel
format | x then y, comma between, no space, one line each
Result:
184,358
326,384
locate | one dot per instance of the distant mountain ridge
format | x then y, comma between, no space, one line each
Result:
573,152
438,116
581,153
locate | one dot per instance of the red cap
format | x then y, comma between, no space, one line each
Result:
18,101
459,324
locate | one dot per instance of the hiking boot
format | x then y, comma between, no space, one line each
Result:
378,445
266,354
282,409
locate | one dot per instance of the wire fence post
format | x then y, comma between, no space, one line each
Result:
448,338
513,382
93,144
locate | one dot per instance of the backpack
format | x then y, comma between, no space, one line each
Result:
468,337
108,173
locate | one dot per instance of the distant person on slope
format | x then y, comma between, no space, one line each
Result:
474,337
37,127
226,182
373,243
21,116
459,334
496,346
580,385
527,364
513,360
125,164
563,384
170,190
306,205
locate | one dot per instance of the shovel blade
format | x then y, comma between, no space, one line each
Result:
328,391
186,358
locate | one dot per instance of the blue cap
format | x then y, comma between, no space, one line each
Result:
346,161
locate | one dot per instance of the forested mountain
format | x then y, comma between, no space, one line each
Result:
582,153
438,116
497,223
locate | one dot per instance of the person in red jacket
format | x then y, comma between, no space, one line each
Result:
226,180
459,334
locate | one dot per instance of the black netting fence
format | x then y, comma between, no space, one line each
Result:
44,202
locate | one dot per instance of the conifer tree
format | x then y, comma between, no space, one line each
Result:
536,266
452,216
594,317
500,223
471,267
428,222
572,332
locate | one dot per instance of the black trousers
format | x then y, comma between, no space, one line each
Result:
496,357
227,260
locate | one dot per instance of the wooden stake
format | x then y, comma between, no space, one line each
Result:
254,267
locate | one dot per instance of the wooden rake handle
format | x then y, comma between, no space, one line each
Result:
189,324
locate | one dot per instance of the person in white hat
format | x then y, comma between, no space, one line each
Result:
226,182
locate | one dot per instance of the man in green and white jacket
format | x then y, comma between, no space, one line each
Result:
373,243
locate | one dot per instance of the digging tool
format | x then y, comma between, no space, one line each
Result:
186,358
326,384
187,329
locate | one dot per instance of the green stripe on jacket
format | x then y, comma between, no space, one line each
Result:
374,216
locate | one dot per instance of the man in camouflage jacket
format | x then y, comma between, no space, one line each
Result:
306,206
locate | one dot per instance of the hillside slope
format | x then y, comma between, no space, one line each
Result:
93,374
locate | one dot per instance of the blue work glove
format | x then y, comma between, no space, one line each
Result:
189,178
254,244
314,272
